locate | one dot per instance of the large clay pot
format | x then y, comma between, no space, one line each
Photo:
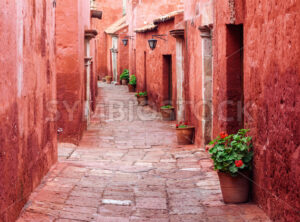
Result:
108,79
235,189
168,114
142,100
185,136
124,82
131,88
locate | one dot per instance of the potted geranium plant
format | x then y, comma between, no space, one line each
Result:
167,112
185,133
108,79
142,98
232,156
124,77
132,83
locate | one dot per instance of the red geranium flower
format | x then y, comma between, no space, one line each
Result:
186,123
208,147
223,135
177,125
239,163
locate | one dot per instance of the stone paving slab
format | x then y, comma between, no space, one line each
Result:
132,170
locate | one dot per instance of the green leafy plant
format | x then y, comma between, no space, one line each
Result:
132,80
182,125
125,75
141,94
167,107
232,153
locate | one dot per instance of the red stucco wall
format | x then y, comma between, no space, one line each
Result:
72,18
271,96
111,12
153,70
141,13
193,75
196,13
27,84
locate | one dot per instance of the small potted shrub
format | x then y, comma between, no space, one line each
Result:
232,156
108,79
132,83
124,77
167,112
142,98
185,133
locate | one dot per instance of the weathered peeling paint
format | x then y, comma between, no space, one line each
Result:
271,94
27,140
76,79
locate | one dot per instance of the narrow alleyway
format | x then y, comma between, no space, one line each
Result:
128,167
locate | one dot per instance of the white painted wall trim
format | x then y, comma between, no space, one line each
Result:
180,80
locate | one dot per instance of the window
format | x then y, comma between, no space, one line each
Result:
93,4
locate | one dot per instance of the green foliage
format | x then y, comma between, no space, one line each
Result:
141,94
232,153
167,107
125,75
132,80
182,125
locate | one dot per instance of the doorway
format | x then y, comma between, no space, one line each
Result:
167,80
235,78
145,71
134,61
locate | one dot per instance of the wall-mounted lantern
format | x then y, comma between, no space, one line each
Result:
153,42
125,41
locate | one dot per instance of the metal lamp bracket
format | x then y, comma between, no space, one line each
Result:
159,37
129,36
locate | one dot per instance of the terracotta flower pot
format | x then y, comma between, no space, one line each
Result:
168,114
131,88
234,189
185,136
142,100
124,82
108,79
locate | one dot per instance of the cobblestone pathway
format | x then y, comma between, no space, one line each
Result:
128,168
